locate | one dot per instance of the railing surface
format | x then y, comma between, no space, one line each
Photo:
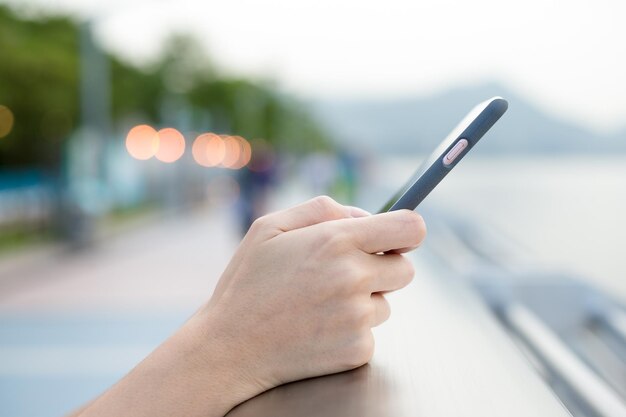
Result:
442,353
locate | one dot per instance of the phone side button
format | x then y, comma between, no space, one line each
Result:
454,152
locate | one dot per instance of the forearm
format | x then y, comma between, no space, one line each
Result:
191,374
298,299
79,411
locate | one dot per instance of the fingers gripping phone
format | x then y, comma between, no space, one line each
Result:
445,157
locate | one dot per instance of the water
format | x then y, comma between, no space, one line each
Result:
570,212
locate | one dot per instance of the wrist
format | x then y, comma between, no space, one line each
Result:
224,365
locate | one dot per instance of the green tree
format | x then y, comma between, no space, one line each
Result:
39,82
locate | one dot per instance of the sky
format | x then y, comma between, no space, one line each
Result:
567,57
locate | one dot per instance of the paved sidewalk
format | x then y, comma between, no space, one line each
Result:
71,324
172,263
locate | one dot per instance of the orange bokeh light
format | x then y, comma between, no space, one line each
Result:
171,145
245,153
198,150
142,142
211,150
216,150
6,121
208,150
233,150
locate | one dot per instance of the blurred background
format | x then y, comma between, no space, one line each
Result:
138,140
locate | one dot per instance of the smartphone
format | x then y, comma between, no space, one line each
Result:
445,157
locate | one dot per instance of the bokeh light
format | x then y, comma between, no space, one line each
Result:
216,150
245,153
6,121
233,150
199,150
171,145
208,150
226,151
142,142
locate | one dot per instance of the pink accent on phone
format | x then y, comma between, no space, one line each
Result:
454,152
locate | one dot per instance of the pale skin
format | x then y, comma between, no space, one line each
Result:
298,299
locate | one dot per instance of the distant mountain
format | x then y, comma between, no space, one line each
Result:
417,124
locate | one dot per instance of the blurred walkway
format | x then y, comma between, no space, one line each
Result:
170,264
71,324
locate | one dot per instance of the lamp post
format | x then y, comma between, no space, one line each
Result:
83,189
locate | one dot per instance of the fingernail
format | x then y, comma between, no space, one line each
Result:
358,212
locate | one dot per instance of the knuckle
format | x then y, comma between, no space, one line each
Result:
260,223
357,277
402,270
384,308
326,234
333,237
414,221
326,206
405,275
408,269
421,227
323,200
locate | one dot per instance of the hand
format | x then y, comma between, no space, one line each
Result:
298,299
305,287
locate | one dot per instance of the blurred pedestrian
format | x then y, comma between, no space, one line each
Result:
256,181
